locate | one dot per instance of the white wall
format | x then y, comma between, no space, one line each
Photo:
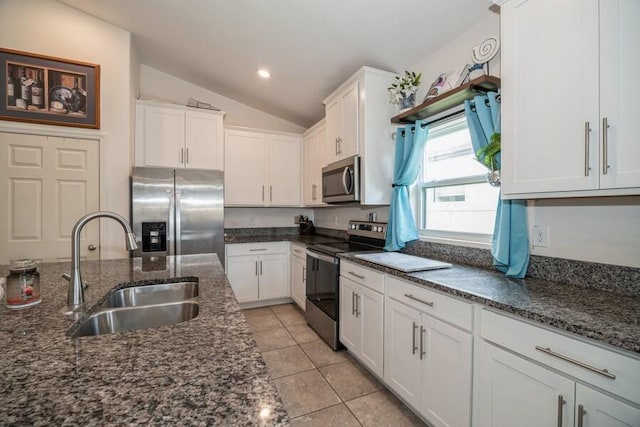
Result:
67,33
155,84
604,230
263,217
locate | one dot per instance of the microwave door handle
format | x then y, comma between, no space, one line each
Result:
345,172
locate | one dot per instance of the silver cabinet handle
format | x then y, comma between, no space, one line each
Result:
304,274
261,267
587,132
313,191
561,402
605,145
271,193
413,338
357,305
337,146
550,352
356,275
186,157
581,414
422,352
353,303
256,268
182,156
263,193
430,304
257,249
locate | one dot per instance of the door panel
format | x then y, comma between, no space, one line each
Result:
49,183
599,410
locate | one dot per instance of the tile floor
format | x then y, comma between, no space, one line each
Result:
320,387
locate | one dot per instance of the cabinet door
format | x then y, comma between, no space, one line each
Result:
242,272
333,116
298,271
274,276
204,141
370,310
350,325
245,168
595,409
549,96
348,142
312,192
284,171
446,374
619,90
516,392
401,350
163,136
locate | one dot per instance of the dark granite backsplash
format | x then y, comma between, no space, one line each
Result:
612,278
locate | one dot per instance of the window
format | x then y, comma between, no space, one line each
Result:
456,202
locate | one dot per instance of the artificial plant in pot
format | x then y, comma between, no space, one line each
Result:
488,156
403,89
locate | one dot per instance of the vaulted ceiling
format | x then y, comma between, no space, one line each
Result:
310,46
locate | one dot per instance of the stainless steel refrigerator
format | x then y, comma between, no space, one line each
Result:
177,211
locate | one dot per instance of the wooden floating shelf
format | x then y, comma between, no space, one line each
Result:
448,100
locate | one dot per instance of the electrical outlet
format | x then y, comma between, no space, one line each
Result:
541,236
252,220
335,219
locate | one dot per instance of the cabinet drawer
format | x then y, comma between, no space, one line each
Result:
447,308
299,251
257,248
370,278
572,356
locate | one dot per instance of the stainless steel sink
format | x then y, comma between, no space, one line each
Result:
137,296
111,320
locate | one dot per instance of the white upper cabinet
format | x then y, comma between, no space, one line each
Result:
314,144
569,95
357,123
178,137
262,169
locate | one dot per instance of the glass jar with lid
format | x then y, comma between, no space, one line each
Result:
23,284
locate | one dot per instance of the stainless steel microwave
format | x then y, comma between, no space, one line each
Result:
341,181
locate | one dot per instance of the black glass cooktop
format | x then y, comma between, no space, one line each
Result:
332,249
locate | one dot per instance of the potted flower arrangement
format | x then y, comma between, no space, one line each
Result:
403,90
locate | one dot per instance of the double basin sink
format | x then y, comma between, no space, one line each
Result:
140,307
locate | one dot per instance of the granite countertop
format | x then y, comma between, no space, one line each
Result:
603,316
294,238
207,371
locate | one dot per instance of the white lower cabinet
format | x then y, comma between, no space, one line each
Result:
298,275
532,376
258,272
427,361
362,316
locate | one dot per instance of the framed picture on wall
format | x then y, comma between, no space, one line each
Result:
48,90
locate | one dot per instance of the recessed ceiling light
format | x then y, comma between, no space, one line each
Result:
265,74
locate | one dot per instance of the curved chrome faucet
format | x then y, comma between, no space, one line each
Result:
75,298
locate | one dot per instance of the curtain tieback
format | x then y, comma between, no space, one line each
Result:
398,185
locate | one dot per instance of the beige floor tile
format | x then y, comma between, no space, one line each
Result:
382,409
283,308
334,416
287,361
291,317
256,312
302,333
262,323
305,392
322,355
272,339
350,381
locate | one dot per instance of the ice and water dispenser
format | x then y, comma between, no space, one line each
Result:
154,236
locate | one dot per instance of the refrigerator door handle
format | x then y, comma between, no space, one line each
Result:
170,224
178,223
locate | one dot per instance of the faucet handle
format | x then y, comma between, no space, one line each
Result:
67,276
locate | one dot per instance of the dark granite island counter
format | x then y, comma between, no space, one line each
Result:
207,371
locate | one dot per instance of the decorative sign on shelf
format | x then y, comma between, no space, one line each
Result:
48,90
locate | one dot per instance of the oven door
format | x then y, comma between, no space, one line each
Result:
323,275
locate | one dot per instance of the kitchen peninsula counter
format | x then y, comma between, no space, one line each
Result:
207,371
607,317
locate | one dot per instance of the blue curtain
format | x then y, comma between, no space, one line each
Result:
410,143
510,245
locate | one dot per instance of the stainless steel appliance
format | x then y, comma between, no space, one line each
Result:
323,276
341,181
177,211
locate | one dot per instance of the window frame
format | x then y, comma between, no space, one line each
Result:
480,240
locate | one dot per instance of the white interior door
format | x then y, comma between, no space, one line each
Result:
48,183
